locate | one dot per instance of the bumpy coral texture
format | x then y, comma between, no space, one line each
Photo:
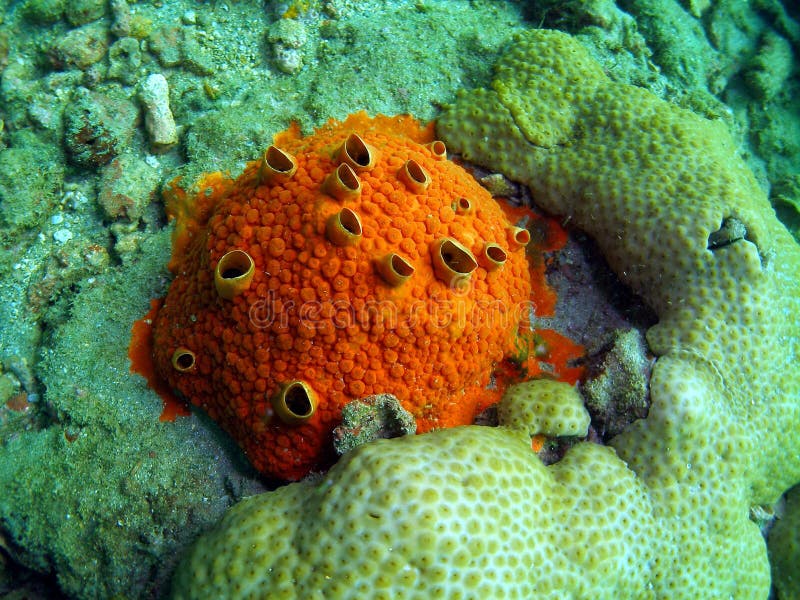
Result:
682,220
321,313
468,512
544,406
471,512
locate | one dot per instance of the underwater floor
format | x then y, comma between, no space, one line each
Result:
632,184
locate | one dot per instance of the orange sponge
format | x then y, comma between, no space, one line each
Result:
355,261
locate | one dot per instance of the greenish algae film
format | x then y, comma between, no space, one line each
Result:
98,496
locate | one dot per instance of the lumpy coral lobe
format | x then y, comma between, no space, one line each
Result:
376,265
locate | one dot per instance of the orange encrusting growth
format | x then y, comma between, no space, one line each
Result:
140,354
546,236
561,354
319,310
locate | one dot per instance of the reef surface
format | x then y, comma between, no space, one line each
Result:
104,102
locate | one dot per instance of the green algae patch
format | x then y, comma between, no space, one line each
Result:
106,496
31,176
104,511
340,67
95,340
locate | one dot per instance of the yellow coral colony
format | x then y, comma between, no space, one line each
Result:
682,221
468,512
